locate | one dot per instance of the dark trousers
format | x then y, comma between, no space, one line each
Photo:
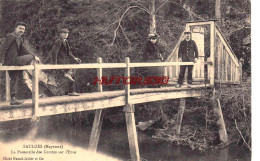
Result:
72,85
182,73
16,75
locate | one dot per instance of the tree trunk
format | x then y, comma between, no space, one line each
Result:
218,10
152,17
1,17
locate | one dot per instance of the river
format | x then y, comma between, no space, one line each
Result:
113,142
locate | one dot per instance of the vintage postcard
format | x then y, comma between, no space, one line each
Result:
150,80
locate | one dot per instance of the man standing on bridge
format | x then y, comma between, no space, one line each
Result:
61,54
14,53
188,52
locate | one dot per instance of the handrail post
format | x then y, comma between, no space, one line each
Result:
240,72
99,115
212,53
7,87
130,117
35,93
127,85
99,74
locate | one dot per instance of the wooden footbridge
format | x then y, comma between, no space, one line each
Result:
222,66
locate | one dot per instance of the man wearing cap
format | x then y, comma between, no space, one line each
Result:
61,54
188,52
14,53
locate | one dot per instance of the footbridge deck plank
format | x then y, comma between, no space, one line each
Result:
97,100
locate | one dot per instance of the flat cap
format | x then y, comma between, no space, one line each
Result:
64,30
20,23
186,32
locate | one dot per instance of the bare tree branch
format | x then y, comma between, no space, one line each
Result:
242,136
142,6
161,5
120,20
243,27
106,28
194,14
127,39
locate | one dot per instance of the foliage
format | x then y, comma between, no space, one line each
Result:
201,130
236,108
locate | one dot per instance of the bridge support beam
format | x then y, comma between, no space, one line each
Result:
131,131
99,114
180,115
220,121
96,129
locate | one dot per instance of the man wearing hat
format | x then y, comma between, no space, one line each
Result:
14,53
61,54
188,52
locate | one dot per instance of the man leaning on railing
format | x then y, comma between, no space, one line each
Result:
14,53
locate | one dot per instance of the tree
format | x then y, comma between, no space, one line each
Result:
218,10
152,17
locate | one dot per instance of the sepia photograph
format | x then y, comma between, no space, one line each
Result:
125,80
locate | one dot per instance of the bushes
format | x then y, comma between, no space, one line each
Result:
199,128
236,108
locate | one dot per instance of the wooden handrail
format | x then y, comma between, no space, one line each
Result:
94,66
8,68
99,66
228,48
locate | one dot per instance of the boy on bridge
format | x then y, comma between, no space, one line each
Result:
61,54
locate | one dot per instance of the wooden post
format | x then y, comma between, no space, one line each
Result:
240,72
180,115
218,112
35,93
127,85
7,87
227,66
212,53
231,70
97,124
219,55
130,118
221,123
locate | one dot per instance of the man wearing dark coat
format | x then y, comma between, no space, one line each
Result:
61,54
188,52
14,53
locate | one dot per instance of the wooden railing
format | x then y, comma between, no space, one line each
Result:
228,69
99,66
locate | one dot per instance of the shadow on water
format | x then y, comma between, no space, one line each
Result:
114,142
